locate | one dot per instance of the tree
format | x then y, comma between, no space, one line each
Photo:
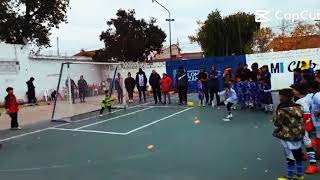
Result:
30,20
262,39
304,29
229,35
130,39
284,28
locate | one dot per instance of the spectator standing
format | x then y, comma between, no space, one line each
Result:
227,74
154,82
213,85
203,77
130,85
141,81
166,83
182,85
118,86
83,87
31,93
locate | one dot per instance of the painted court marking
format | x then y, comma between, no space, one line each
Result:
157,121
90,131
110,119
120,133
58,126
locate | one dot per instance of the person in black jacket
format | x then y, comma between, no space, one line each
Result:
31,93
141,81
154,82
213,85
130,85
83,86
182,85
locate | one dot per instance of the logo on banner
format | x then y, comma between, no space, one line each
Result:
193,75
277,68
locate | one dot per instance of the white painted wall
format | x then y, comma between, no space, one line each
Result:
289,60
46,71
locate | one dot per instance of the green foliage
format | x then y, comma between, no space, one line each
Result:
220,36
130,39
30,20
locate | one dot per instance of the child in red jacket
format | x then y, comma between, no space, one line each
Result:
12,108
166,83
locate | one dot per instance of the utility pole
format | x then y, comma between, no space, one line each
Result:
169,20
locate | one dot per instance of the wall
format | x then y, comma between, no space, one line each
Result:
46,70
282,64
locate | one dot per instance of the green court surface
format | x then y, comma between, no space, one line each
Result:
115,147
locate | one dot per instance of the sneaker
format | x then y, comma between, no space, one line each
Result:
295,177
19,128
230,116
226,120
312,169
284,178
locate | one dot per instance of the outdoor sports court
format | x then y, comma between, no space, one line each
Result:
147,142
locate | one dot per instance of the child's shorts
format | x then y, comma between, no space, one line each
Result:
289,146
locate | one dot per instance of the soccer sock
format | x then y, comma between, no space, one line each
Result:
298,155
290,168
311,155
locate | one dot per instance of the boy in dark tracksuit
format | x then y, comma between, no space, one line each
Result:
12,108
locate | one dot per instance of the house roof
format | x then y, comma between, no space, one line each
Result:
292,43
84,53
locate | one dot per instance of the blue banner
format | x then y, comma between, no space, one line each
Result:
193,67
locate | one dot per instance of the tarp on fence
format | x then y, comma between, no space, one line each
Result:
193,67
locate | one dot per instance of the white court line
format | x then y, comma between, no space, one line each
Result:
162,119
92,117
30,133
181,107
89,131
124,115
61,125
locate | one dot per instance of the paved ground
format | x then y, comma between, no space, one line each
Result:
146,142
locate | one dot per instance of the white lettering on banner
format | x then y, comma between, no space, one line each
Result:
282,64
193,75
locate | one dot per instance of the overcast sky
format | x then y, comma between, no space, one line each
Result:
86,19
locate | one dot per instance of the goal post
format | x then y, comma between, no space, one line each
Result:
82,86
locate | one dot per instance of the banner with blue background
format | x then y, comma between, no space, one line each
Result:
193,67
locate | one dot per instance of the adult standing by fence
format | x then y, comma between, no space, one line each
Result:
130,85
31,93
83,87
118,87
182,85
154,82
213,85
203,77
141,81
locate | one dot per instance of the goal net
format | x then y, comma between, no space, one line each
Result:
83,85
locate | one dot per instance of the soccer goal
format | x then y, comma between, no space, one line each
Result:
83,85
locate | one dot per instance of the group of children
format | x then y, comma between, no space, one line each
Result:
247,88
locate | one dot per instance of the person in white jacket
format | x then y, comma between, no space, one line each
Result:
231,99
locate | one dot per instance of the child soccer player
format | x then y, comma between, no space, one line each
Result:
200,93
289,128
266,96
106,103
12,108
231,99
305,99
315,116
